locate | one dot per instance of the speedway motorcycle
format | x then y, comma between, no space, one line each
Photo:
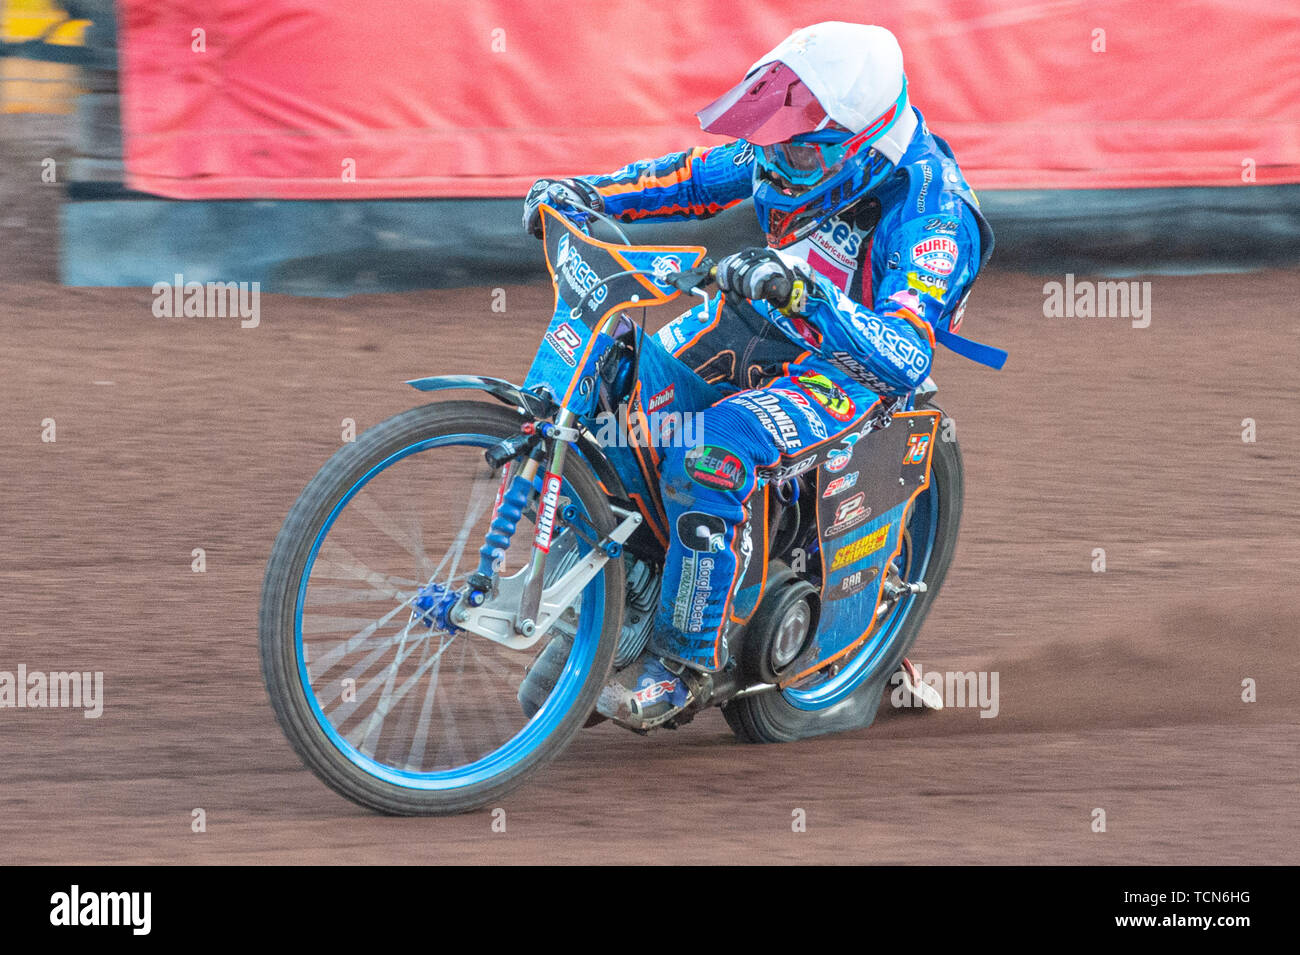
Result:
450,592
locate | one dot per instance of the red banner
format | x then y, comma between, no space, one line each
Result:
335,99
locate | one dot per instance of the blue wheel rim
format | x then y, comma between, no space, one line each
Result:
923,526
526,741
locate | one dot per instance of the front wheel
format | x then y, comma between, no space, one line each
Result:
390,709
850,698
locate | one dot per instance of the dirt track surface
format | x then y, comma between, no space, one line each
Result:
1119,690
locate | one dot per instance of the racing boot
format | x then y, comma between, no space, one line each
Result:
651,691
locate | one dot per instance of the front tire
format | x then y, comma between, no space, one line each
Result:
381,775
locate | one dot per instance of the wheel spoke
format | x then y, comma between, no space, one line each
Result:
393,691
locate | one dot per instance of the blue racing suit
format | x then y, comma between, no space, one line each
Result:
892,273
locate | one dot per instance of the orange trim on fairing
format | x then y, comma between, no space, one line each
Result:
651,475
721,299
880,585
657,295
762,582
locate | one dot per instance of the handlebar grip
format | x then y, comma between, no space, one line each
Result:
776,291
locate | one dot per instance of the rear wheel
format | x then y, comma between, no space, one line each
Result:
386,705
849,699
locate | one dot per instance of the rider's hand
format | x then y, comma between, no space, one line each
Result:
557,193
764,275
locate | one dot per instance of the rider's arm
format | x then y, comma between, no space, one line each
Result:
923,267
888,348
694,184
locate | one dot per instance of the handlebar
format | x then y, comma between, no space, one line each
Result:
776,291
564,205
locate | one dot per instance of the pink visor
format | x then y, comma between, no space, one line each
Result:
766,107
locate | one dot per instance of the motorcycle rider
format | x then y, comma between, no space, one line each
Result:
873,230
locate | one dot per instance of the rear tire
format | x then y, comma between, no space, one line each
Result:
771,718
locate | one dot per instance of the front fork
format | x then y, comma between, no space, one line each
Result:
518,610
510,509
547,505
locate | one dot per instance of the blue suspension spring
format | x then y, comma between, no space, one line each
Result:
497,540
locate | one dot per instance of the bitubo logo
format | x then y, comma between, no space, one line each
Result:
968,689
75,908
546,512
1087,299
577,272
182,299
660,400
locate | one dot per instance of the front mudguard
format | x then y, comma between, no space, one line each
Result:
536,407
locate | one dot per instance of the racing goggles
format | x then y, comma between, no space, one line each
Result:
801,162
798,164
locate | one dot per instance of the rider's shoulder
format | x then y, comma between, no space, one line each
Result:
922,203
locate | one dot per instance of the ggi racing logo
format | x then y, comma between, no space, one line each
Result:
577,272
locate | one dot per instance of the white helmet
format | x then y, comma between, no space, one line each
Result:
828,112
